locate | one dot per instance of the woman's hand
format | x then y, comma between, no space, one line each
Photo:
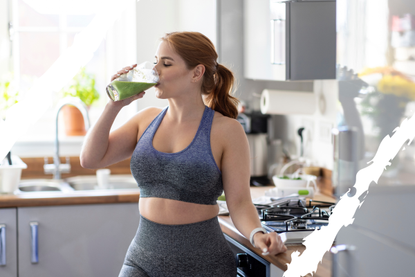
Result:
270,244
128,100
122,71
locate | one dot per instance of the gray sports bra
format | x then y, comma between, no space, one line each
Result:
190,175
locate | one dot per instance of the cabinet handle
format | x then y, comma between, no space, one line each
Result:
2,244
35,249
335,250
278,50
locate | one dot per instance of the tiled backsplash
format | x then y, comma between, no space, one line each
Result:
35,168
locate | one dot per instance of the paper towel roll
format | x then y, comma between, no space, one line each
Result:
287,102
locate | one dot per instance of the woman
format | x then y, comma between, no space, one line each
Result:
183,157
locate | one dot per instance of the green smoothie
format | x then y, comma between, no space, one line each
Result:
119,90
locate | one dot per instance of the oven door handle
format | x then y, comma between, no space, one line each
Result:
242,260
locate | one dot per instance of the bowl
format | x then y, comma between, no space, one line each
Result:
306,181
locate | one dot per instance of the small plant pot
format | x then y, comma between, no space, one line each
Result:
74,121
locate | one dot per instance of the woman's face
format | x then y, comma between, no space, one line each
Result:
175,78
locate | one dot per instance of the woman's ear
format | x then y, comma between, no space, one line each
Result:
198,72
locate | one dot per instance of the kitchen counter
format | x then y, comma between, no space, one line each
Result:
34,199
280,260
132,196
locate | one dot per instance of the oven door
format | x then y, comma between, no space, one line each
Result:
250,264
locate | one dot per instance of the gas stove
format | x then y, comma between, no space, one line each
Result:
294,217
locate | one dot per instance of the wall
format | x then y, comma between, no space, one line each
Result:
157,17
318,141
4,37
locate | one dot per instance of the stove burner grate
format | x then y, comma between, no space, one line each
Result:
295,216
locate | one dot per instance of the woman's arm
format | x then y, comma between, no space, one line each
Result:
102,148
235,176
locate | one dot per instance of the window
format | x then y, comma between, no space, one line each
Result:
40,32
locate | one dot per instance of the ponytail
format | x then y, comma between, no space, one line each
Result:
195,49
220,98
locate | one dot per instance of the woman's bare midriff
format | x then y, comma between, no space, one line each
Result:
173,212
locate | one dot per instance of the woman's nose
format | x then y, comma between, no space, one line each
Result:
156,69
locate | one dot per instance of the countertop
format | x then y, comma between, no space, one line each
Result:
34,199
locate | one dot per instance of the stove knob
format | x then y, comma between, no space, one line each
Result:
242,260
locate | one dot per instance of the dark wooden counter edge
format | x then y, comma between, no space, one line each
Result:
228,228
78,198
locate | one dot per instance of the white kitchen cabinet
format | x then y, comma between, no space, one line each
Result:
289,40
75,240
8,242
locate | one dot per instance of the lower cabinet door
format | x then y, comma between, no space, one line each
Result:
8,243
77,240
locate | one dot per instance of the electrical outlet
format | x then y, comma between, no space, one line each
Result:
308,125
324,132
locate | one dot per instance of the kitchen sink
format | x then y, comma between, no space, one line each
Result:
43,185
91,183
77,183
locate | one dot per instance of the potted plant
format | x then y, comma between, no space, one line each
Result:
83,87
8,96
385,105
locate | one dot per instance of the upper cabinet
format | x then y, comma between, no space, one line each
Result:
289,40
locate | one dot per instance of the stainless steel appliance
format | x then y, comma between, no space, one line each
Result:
255,125
250,264
295,217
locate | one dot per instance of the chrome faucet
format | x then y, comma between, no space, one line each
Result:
57,168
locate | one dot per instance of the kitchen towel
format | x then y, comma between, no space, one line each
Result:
287,102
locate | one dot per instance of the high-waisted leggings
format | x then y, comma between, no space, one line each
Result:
196,249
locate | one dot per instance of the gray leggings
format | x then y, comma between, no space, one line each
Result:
196,249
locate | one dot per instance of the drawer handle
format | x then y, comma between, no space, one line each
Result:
2,244
35,249
335,250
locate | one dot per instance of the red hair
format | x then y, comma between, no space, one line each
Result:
195,49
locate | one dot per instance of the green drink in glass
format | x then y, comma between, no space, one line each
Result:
140,78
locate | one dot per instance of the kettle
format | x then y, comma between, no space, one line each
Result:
258,154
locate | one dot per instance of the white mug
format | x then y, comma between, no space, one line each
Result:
103,176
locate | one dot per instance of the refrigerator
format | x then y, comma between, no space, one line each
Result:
376,92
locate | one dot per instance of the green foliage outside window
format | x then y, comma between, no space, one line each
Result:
83,87
8,96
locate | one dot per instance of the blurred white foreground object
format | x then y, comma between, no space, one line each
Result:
10,174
